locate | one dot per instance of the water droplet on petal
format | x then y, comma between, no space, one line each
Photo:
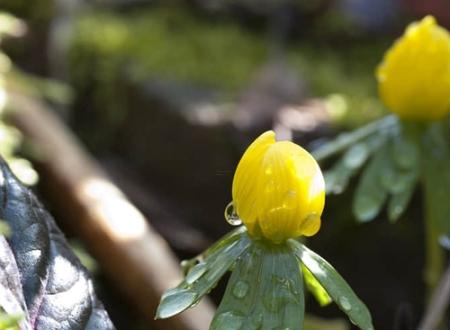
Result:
240,289
231,216
196,272
345,304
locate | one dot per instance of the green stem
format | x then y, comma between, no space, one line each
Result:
434,255
432,180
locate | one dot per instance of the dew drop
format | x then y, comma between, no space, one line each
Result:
257,320
231,216
240,289
274,303
345,304
196,272
228,320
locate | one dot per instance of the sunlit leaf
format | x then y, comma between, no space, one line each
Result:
220,244
314,286
265,291
40,277
204,275
336,286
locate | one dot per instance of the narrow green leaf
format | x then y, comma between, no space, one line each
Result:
220,244
405,151
335,285
402,178
203,276
265,291
338,177
314,286
345,140
399,201
371,193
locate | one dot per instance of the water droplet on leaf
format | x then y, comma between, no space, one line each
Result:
240,289
196,272
229,321
231,216
257,320
345,304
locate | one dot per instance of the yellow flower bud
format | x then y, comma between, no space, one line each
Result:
414,77
278,190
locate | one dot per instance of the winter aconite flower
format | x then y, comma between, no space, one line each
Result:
414,77
278,193
278,190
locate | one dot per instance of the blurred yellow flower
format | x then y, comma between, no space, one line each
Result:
414,77
278,190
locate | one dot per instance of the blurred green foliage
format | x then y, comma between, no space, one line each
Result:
342,75
166,43
5,230
42,10
9,322
177,44
10,137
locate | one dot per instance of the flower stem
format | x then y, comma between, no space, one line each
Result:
434,255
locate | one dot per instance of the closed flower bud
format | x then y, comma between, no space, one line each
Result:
414,77
278,190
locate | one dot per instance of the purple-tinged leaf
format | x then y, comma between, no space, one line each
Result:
39,275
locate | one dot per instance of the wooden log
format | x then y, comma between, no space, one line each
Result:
133,255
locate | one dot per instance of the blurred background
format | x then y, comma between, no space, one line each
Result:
166,95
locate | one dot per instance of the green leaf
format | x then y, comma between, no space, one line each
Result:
402,179
345,140
10,321
204,275
265,292
353,159
371,193
316,289
399,201
220,244
335,285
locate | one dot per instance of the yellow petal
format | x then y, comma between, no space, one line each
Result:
278,190
414,76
